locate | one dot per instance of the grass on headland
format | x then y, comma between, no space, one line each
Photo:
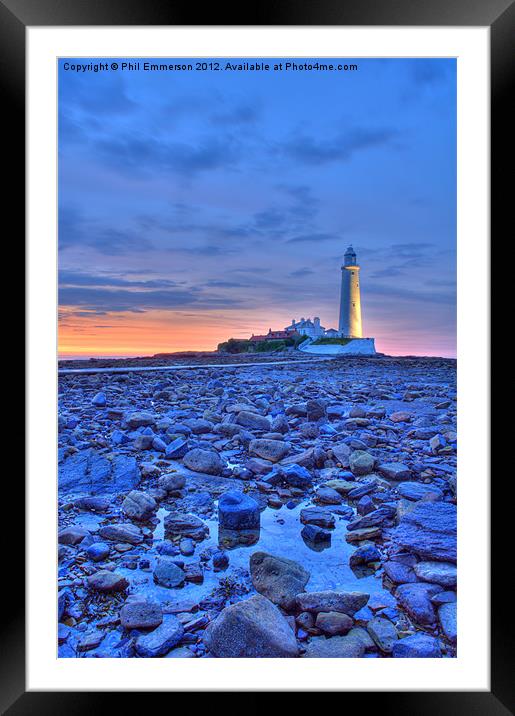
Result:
326,340
236,345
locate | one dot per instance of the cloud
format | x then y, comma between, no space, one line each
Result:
313,151
300,273
312,238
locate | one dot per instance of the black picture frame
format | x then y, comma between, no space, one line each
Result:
499,16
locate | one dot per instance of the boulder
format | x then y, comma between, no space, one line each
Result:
277,578
106,581
87,471
416,600
447,616
253,421
273,450
394,471
383,633
121,532
334,623
361,462
238,511
179,525
417,646
167,573
317,516
160,641
141,613
429,530
329,601
140,419
252,628
206,461
444,573
139,506
418,490
338,647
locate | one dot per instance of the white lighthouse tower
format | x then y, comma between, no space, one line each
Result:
350,299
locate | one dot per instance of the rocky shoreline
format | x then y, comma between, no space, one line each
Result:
305,510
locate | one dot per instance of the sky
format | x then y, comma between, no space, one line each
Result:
197,206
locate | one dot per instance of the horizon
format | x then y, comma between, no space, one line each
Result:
196,207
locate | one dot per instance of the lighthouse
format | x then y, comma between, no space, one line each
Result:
350,299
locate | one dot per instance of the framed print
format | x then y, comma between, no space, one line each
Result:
258,347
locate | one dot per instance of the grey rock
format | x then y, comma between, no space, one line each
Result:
273,450
383,633
238,511
167,573
429,530
138,505
160,641
121,532
447,616
361,462
105,581
329,601
277,578
418,490
141,613
253,421
206,461
252,628
88,471
416,600
417,646
338,647
334,623
444,573
394,471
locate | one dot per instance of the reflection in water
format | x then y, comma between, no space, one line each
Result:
229,539
317,546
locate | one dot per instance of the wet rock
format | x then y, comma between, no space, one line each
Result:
72,535
383,633
317,516
361,462
447,616
187,546
176,449
399,573
394,471
206,461
93,504
121,532
99,400
333,623
253,421
364,555
296,476
140,419
315,410
167,573
443,573
252,628
328,601
89,471
400,416
105,581
172,482
141,613
160,641
273,450
417,646
180,525
338,647
220,561
98,551
238,511
328,496
416,600
315,535
429,530
277,578
143,442
418,490
139,506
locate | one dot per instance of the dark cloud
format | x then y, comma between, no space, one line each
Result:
300,273
312,238
314,151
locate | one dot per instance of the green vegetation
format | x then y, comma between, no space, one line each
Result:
237,345
331,341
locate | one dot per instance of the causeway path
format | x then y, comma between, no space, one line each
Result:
147,368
